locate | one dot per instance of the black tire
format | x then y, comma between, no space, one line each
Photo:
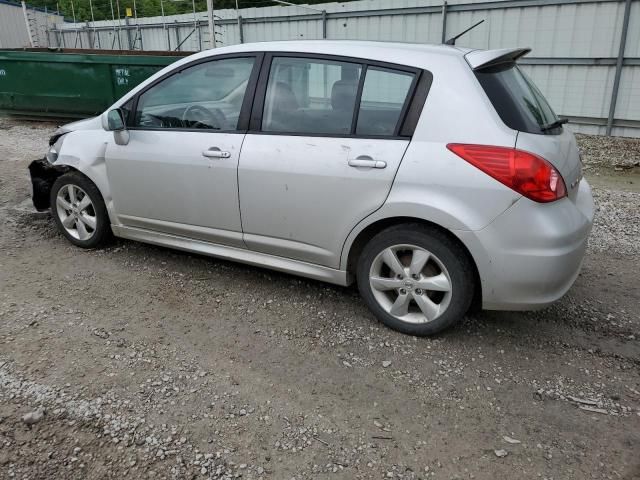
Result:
102,233
454,258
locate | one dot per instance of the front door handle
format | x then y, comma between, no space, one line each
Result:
366,162
215,152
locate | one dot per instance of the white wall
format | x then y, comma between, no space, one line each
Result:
13,27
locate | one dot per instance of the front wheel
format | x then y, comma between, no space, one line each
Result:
415,279
79,211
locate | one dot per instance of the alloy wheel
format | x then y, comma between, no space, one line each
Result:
76,212
410,283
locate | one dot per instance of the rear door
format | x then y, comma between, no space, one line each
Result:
325,142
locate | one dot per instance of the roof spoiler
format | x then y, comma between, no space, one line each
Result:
479,59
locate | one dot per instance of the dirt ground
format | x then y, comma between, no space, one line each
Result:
150,363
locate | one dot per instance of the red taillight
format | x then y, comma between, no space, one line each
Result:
524,172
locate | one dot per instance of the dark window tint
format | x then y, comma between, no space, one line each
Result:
383,98
517,100
206,96
310,96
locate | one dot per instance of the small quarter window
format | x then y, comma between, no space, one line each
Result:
206,96
383,98
126,109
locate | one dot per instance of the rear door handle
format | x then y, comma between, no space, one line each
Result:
215,152
366,162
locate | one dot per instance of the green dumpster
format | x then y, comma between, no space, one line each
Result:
72,83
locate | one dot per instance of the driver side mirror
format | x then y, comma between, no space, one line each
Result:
113,121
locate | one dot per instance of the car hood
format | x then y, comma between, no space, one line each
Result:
86,124
92,123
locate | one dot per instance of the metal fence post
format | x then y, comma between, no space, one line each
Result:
616,80
90,38
211,19
240,29
177,32
444,22
324,24
128,31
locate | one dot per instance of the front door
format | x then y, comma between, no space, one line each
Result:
324,155
178,172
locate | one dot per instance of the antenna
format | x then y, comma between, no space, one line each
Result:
452,40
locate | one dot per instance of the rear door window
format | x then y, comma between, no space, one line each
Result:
329,97
517,100
311,96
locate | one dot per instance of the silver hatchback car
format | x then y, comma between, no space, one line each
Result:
435,177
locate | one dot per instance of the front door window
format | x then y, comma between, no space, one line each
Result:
207,96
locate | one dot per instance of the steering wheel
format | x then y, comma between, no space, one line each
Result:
201,117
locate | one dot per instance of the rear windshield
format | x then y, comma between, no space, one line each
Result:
517,100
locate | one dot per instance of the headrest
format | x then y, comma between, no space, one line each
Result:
284,99
343,95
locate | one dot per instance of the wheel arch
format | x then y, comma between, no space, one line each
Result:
43,176
352,251
84,151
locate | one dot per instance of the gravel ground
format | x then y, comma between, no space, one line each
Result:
604,153
141,362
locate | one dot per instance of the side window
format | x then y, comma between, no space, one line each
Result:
310,96
206,96
383,98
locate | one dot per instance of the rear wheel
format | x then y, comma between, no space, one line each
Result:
415,279
79,211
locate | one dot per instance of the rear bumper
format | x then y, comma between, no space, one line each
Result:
531,255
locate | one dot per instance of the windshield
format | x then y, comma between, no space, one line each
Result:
517,100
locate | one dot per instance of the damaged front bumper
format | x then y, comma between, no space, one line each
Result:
43,174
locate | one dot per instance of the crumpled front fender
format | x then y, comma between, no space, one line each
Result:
43,174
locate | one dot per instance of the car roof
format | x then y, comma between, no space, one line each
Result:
413,54
407,54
